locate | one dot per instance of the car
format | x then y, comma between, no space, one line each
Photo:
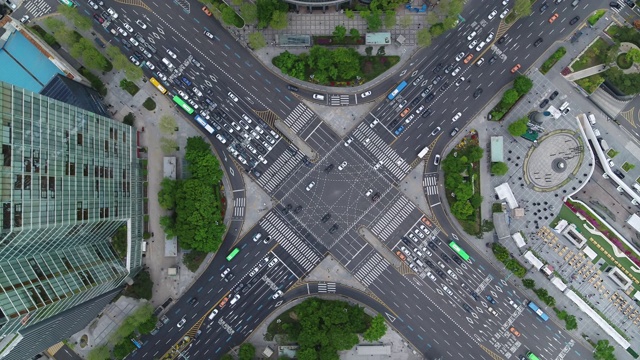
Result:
474,295
456,117
472,35
342,166
98,18
181,322
505,2
375,197
113,13
93,5
491,299
464,305
618,173
480,46
566,111
141,24
134,60
374,123
232,96
419,233
257,236
452,274
445,257
348,141
553,18
328,168
574,20
431,276
504,13
122,32
448,68
286,209
206,11
460,80
365,94
429,98
418,80
193,301
333,228
458,58
492,311
172,54
197,91
419,109
277,294
183,95
221,138
537,42
553,95
402,103
273,262
134,42
615,5
544,103
440,273
146,53
267,240
455,71
326,217
492,14
473,44
514,331
405,112
311,185
502,39
318,96
480,62
436,80
369,192
515,68
437,68
457,260
468,58
398,130
152,67
208,34
436,160
435,131
377,165
490,37
418,252
138,55
544,7
409,118
128,27
477,93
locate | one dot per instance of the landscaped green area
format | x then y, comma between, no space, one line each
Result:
338,67
502,254
612,153
552,60
593,19
590,83
129,87
149,104
321,328
521,86
623,61
592,56
628,166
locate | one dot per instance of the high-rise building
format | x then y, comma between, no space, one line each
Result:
69,181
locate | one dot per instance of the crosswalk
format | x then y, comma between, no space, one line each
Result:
290,241
37,8
382,151
338,100
622,6
279,170
430,184
239,205
326,287
299,118
371,269
389,222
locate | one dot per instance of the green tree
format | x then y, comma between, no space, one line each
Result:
167,145
78,48
129,119
455,8
226,357
518,127
389,19
279,20
228,15
437,29
604,351
522,8
509,98
133,73
202,164
476,200
473,153
374,23
349,14
432,18
499,168
461,209
148,326
571,323
609,56
66,36
354,33
99,353
53,24
633,55
113,51
265,10
424,37
168,125
123,348
142,287
377,329
522,84
168,224
339,32
246,352
528,283
406,21
167,193
82,22
249,12
93,59
464,191
256,40
449,22
368,50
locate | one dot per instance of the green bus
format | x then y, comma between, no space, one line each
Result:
69,3
459,250
183,104
233,254
532,356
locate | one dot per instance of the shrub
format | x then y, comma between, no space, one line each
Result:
129,119
193,259
528,283
129,87
552,60
96,82
149,104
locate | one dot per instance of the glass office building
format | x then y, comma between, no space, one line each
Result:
69,180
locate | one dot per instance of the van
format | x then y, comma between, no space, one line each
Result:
564,106
318,96
144,246
419,262
592,119
168,63
636,186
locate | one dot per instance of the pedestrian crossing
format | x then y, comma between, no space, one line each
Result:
338,100
382,151
290,241
299,118
391,219
326,287
279,170
371,269
239,205
37,8
622,6
430,185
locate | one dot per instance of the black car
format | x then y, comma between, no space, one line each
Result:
326,218
493,59
328,168
618,173
467,307
538,42
415,101
502,39
474,295
333,228
615,5
477,93
439,67
457,260
239,287
208,90
375,197
138,55
630,3
440,273
553,95
574,20
544,103
438,241
254,280
432,245
257,173
445,257
444,86
394,123
126,43
544,7
286,209
490,299
193,301
162,67
293,88
297,209
429,264
430,97
427,112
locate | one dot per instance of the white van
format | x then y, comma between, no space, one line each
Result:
419,262
144,246
318,96
636,186
564,106
592,119
168,63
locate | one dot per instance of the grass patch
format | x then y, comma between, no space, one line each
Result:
590,83
612,153
591,57
593,19
149,104
623,62
129,87
552,60
496,208
628,167
510,18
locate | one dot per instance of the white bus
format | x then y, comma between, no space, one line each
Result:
423,152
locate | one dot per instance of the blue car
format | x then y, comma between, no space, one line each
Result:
490,299
186,81
399,130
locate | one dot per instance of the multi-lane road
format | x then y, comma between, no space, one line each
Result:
324,206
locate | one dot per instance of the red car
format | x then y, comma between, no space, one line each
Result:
98,18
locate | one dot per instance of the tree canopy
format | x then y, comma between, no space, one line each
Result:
377,329
518,127
604,351
266,10
499,168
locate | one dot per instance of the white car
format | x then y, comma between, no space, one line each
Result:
134,42
93,5
452,274
374,123
272,262
162,76
493,14
459,56
430,275
490,37
112,13
311,185
455,71
504,13
505,2
456,117
369,192
153,67
277,294
473,43
409,118
197,91
225,272
480,46
419,233
25,19
236,126
171,54
242,160
436,160
183,321
208,34
378,165
232,96
141,24
221,138
342,166
122,32
134,60
472,35
128,27
365,94
183,95
460,80
348,141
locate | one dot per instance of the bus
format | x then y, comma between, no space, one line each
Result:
156,83
136,343
233,254
183,104
395,92
423,152
69,3
532,356
204,124
538,311
458,250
